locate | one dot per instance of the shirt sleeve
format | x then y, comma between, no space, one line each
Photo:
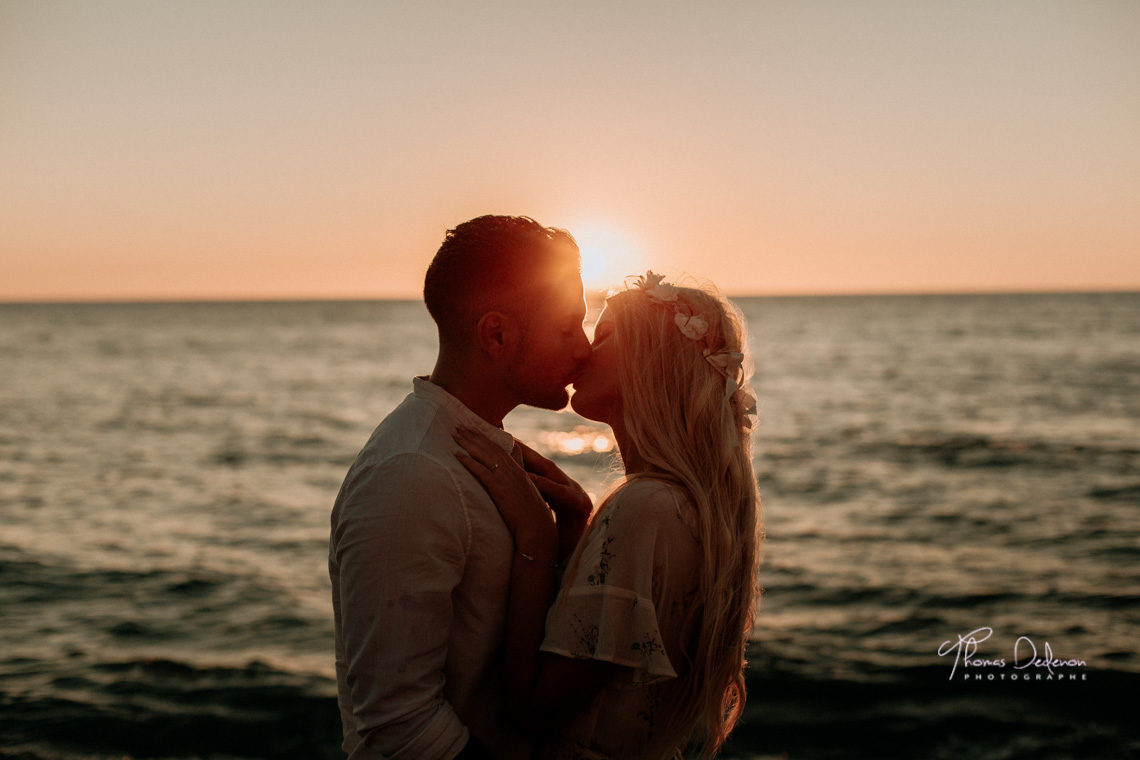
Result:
400,541
605,608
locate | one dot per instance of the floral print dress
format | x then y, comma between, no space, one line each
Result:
625,599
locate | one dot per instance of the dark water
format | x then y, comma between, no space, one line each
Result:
929,466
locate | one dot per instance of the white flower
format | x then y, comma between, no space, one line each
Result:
728,363
693,327
745,402
656,289
662,293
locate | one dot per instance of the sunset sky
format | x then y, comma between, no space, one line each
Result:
153,150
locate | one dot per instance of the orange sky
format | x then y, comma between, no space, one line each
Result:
302,150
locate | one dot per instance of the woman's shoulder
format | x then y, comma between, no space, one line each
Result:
647,492
648,500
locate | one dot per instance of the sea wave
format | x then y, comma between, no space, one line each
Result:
968,451
166,708
175,709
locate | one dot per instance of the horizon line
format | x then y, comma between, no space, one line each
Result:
590,292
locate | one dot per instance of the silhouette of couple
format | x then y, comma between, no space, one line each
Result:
483,607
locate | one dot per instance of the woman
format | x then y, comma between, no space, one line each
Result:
642,651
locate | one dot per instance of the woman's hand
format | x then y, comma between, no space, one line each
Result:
517,498
571,504
562,493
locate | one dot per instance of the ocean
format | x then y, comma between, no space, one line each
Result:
956,473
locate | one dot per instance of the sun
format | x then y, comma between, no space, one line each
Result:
608,256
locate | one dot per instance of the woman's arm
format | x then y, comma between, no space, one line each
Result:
543,690
563,687
569,501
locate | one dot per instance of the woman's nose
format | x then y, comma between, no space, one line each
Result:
582,348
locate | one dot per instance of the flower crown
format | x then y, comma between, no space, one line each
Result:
730,364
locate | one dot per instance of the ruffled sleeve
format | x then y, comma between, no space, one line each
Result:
605,609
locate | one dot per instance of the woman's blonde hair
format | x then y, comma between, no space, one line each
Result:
683,372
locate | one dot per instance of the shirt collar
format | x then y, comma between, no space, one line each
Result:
429,391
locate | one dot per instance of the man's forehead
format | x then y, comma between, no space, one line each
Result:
563,289
553,303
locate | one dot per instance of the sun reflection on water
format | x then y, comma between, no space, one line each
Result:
580,440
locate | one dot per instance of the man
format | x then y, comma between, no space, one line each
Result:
418,556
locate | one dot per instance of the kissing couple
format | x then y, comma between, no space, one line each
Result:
483,607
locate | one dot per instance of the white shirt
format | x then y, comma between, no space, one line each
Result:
420,566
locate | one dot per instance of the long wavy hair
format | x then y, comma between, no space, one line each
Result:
691,422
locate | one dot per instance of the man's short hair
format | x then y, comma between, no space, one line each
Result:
487,258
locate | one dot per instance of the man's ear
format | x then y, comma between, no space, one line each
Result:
494,332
